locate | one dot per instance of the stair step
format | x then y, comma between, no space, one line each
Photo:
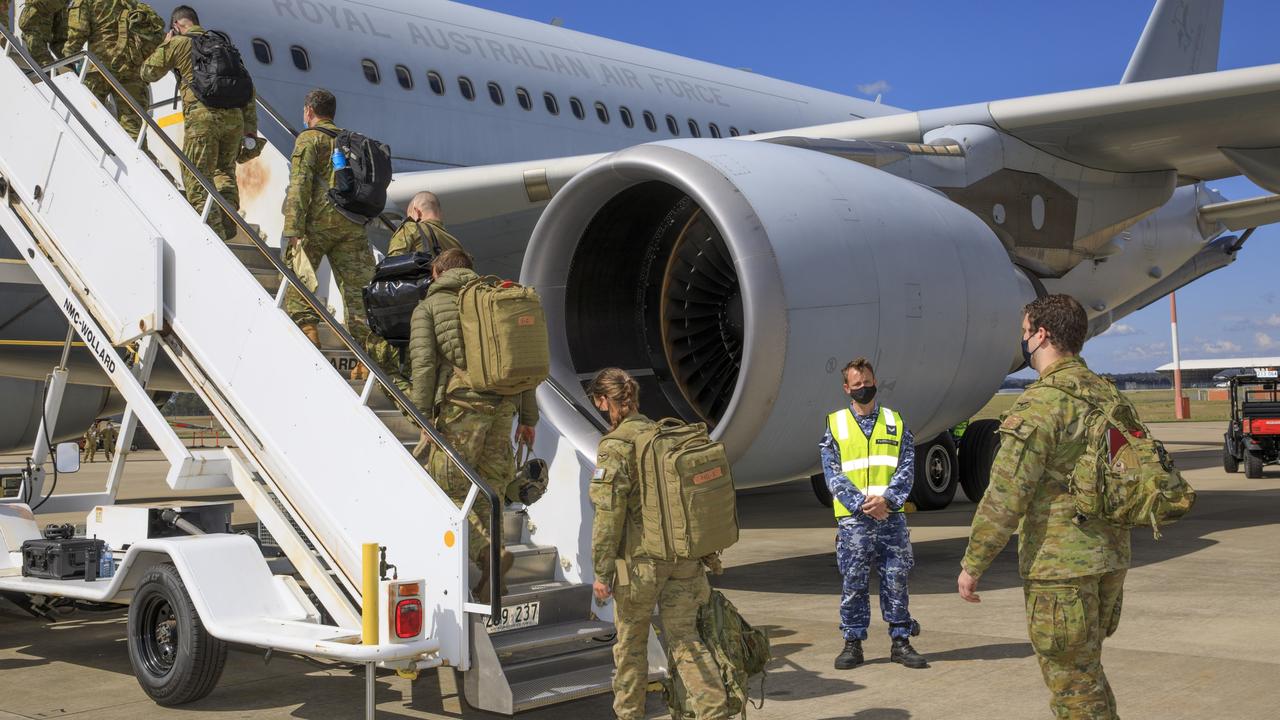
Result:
598,655
513,523
562,687
533,563
516,647
561,601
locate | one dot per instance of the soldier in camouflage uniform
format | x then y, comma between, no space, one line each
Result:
44,28
91,438
211,136
477,425
97,22
1073,570
109,439
315,229
871,528
679,588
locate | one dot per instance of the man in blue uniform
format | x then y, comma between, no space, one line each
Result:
868,458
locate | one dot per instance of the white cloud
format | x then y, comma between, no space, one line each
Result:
1265,341
1121,329
1149,351
875,88
1220,347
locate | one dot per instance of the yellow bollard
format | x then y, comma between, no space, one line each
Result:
369,588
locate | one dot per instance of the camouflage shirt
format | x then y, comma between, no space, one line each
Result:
414,236
44,28
307,208
615,493
97,22
175,54
1042,436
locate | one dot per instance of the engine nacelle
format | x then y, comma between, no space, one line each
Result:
735,279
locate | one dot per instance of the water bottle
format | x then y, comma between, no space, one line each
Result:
106,563
339,159
343,180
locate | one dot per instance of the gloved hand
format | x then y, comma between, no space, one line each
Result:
248,153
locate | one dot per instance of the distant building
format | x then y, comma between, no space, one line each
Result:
1201,372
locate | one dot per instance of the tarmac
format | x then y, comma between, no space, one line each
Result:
1198,638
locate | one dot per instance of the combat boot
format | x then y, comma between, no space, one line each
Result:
312,333
906,655
851,657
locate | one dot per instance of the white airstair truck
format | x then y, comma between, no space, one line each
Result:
377,570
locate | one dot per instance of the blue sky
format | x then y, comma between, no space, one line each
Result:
934,54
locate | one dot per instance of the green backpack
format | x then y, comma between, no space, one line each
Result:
740,651
139,31
504,336
688,505
1125,476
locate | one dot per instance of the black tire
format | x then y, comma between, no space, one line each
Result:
174,658
821,491
935,473
1230,462
978,447
1253,465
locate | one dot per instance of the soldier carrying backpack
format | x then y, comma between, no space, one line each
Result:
217,106
664,500
477,350
1075,471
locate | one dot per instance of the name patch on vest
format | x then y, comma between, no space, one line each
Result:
886,442
707,476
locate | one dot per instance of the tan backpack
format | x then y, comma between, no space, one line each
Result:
139,31
688,505
504,336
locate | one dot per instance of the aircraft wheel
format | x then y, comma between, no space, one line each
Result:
821,490
174,658
935,473
978,447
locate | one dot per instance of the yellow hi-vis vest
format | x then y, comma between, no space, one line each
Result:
868,462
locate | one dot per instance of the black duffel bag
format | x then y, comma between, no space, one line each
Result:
399,284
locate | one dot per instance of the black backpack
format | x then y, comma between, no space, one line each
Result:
399,284
360,190
218,76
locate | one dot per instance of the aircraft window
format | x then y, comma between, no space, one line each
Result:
436,82
405,77
602,112
495,93
733,131
650,122
576,106
466,88
553,105
371,72
715,129
672,125
262,51
301,59
625,113
694,130
522,95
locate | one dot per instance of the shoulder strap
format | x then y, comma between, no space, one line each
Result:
325,131
435,243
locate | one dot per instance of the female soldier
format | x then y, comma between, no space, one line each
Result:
637,582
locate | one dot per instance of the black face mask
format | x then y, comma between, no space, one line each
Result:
864,394
1027,352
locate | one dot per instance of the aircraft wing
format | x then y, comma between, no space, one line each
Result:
1205,126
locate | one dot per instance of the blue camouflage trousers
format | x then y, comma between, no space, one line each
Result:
861,541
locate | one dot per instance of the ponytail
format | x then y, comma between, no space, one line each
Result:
617,387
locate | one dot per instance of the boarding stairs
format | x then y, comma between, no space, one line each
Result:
324,464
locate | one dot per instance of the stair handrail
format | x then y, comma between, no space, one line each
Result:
496,502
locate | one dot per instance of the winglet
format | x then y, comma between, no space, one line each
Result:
1181,38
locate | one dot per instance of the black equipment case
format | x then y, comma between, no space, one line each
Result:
61,559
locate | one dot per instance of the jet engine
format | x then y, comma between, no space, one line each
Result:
735,280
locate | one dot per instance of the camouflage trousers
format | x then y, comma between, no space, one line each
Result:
211,140
679,589
140,91
861,542
352,264
90,447
481,433
1067,621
